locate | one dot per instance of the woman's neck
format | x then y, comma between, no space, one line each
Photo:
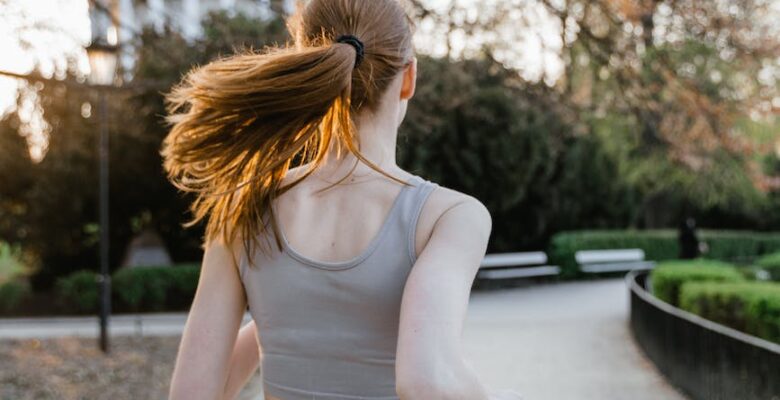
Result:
377,143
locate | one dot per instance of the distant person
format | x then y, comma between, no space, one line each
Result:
356,273
689,241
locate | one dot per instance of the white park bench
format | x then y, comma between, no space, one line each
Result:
516,265
595,261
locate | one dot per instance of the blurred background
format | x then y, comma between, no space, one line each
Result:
602,125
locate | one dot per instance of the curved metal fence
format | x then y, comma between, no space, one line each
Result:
708,361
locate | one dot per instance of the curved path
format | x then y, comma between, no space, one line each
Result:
561,341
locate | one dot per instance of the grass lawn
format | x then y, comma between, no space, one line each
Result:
74,368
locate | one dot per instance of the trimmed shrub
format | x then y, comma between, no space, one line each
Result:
12,294
733,246
11,264
770,242
668,277
79,291
771,264
750,307
658,245
183,282
661,245
141,288
155,288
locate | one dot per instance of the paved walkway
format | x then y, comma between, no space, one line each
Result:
122,325
561,341
556,341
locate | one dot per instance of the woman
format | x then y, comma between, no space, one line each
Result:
357,273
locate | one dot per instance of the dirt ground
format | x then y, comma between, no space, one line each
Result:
74,368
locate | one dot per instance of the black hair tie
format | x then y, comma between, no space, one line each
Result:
357,44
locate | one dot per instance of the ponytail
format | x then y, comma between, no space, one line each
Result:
239,123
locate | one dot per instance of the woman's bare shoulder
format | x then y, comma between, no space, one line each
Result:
460,210
443,199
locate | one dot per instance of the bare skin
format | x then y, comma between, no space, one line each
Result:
451,239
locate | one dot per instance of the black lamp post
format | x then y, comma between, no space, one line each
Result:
102,61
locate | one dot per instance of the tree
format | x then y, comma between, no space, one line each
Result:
475,127
59,197
17,174
679,76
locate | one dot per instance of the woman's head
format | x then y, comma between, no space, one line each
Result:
383,28
241,122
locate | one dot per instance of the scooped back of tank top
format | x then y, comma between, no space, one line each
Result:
329,330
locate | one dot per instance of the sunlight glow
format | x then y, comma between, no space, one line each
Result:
42,35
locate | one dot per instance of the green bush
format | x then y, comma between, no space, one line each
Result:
12,265
141,288
138,289
155,288
751,307
79,291
669,276
661,245
12,294
183,281
770,242
771,264
658,245
732,246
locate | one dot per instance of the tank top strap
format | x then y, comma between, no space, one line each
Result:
407,212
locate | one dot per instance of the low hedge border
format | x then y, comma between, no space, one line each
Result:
667,278
771,264
750,307
13,293
661,245
137,289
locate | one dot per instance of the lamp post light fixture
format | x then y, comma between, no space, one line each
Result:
103,61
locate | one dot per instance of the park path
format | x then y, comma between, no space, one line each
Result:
561,341
548,341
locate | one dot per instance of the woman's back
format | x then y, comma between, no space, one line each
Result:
367,295
327,316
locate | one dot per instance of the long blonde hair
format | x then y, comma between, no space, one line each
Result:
239,123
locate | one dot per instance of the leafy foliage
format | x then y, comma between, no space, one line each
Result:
636,134
139,289
12,294
750,307
668,277
475,128
771,264
79,291
156,288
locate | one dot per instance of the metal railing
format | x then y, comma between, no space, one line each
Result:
708,361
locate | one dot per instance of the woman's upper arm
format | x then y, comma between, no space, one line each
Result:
210,332
435,302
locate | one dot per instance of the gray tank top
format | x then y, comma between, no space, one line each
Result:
329,330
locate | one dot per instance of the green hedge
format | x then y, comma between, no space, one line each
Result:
770,242
155,288
771,264
739,246
79,291
12,294
668,277
661,245
138,289
751,307
658,245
